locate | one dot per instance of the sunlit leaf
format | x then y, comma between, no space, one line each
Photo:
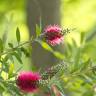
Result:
4,75
48,48
45,46
11,69
58,55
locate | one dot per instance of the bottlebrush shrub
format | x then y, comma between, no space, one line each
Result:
68,77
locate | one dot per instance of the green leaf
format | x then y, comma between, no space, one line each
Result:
18,57
10,45
77,56
11,69
2,87
38,30
58,55
15,90
45,46
85,65
82,37
6,58
87,79
74,42
1,45
88,93
48,48
58,83
18,50
25,51
18,35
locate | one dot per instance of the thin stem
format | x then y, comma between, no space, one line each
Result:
14,48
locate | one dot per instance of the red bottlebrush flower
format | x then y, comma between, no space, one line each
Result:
28,81
53,34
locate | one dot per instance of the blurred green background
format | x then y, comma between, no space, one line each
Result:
78,14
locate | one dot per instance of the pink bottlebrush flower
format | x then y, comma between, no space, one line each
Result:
53,34
28,81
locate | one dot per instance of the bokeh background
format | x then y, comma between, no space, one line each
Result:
25,14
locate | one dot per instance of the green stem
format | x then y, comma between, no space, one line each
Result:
14,48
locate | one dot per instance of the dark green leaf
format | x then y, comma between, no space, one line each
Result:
10,45
82,37
2,87
1,45
25,51
18,35
18,57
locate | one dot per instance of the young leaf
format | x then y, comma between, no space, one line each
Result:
18,34
11,68
45,46
48,48
58,55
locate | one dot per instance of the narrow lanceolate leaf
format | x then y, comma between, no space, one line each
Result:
48,48
18,57
45,46
59,55
11,68
25,51
1,45
2,87
82,37
18,34
10,45
38,30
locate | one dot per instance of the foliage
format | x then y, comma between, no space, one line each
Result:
74,73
